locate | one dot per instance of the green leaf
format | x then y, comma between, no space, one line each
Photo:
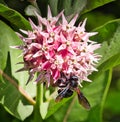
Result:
53,107
10,97
44,109
109,35
14,17
112,62
113,101
97,110
95,4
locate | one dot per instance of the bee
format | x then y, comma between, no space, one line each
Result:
64,93
66,88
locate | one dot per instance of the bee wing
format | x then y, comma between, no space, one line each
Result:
83,101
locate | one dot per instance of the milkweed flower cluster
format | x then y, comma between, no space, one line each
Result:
56,46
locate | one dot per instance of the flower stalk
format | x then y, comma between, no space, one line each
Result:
39,100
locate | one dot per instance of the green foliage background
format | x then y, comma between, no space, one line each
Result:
103,93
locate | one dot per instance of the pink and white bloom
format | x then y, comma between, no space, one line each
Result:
54,47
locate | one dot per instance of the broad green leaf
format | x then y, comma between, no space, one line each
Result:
96,18
109,36
14,17
10,98
95,4
102,89
113,98
113,101
112,62
53,107
44,109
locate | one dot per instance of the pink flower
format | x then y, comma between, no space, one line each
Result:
54,47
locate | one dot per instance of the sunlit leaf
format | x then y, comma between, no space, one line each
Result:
11,99
44,109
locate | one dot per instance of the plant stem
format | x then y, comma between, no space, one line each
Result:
19,88
69,110
39,97
106,91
